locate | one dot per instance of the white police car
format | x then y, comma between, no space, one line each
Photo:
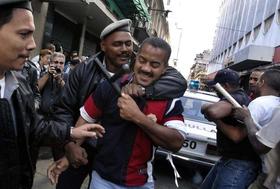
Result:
200,145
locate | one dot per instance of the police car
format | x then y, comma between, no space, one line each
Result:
200,145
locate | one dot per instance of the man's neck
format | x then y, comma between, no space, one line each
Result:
268,92
109,67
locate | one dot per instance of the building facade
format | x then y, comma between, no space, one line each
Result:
247,36
198,70
77,24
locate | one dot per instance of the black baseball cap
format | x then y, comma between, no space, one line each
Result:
24,4
225,76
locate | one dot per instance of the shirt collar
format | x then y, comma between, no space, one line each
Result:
11,84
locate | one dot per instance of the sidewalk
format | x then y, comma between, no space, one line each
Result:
41,181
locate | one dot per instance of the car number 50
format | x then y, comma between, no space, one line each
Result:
189,144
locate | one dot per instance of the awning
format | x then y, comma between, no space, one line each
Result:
134,9
252,56
143,9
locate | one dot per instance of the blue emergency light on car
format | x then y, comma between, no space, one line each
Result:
193,85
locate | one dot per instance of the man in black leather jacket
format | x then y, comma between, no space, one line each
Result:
117,46
21,128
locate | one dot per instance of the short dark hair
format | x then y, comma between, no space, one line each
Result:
6,14
228,76
272,79
158,43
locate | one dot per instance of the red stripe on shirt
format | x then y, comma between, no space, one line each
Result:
90,107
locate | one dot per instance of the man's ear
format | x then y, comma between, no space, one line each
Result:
226,86
102,46
261,82
163,71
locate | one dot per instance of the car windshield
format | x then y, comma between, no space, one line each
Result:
192,109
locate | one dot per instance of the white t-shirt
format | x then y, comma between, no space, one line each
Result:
269,134
2,87
261,109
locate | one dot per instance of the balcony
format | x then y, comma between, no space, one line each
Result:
251,57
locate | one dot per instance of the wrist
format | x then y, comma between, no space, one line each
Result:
71,133
70,139
69,144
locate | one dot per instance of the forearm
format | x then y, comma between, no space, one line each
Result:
165,137
79,123
252,130
217,110
51,133
170,85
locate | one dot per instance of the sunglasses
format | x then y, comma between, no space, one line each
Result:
57,62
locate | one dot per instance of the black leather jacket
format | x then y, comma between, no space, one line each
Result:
18,142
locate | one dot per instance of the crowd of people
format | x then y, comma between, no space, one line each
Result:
105,123
247,138
27,124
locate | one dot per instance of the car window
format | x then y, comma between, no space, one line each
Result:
192,109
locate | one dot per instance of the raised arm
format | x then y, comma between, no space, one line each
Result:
216,110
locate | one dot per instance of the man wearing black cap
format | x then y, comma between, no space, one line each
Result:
117,49
239,163
21,129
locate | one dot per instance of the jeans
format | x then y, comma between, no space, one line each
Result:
231,173
97,183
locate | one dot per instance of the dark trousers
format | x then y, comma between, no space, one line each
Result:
73,178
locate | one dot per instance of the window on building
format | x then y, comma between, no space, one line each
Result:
247,37
240,42
278,17
268,22
257,31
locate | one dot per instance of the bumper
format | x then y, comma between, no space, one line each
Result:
207,161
